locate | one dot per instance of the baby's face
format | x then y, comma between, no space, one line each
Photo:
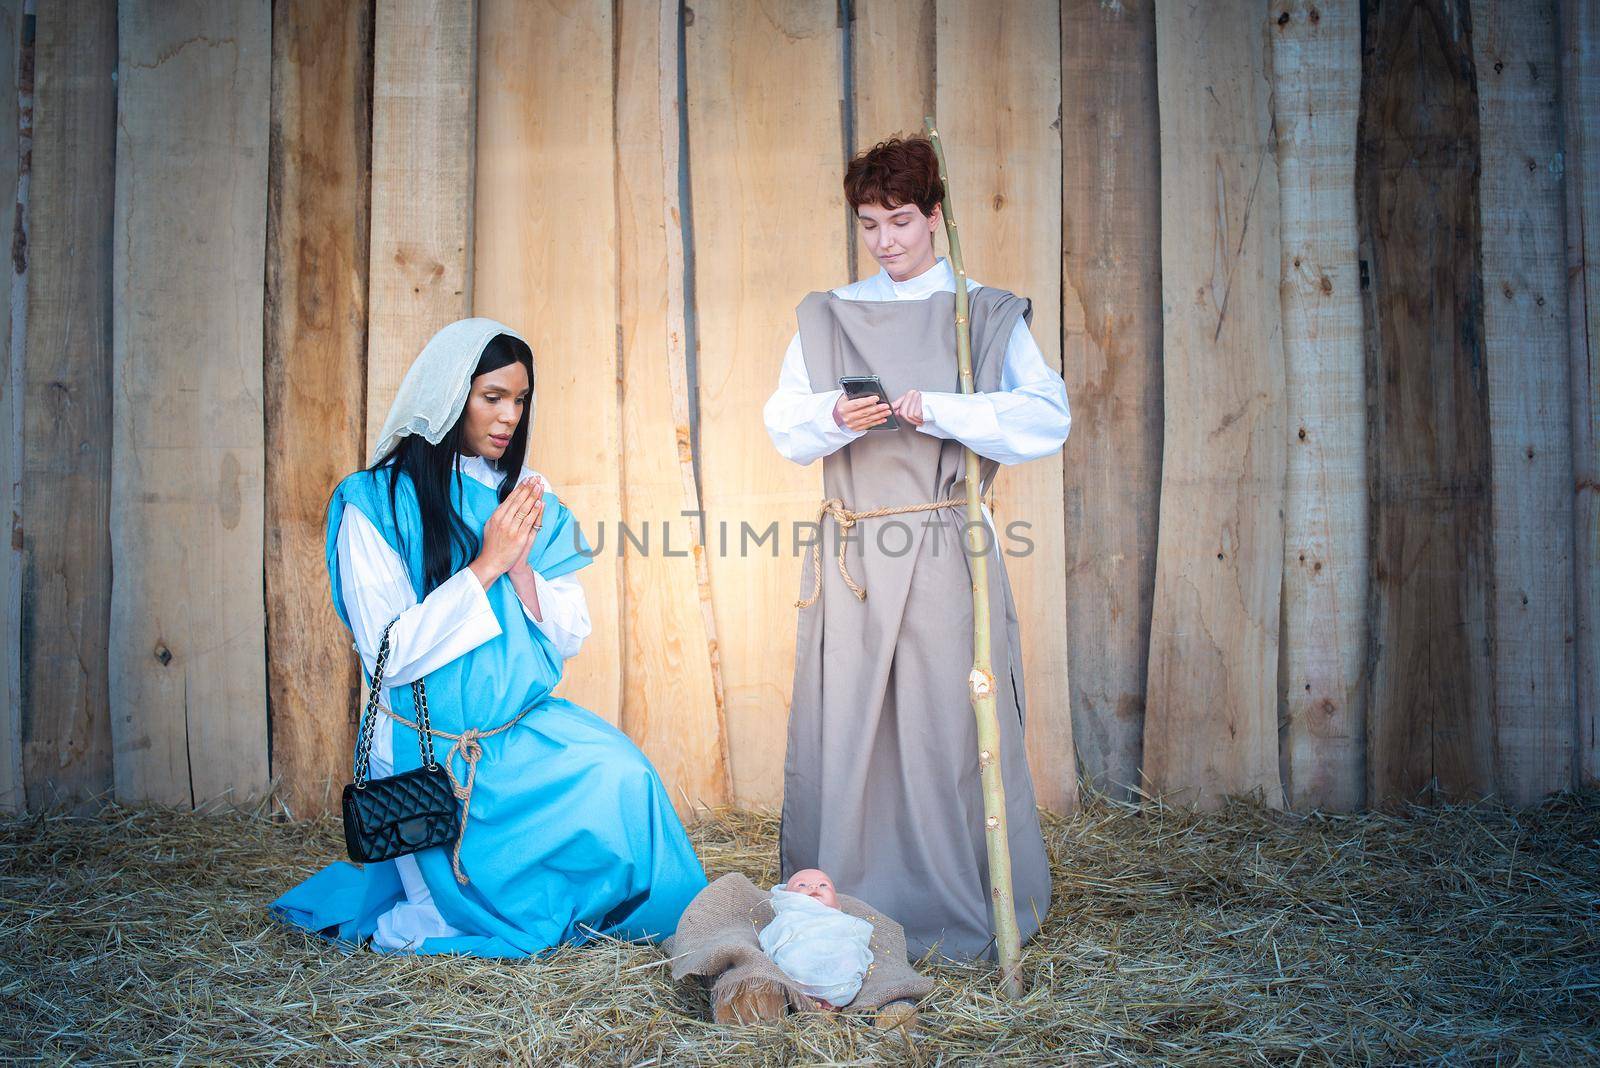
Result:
813,883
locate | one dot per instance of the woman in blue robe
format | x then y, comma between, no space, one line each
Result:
568,832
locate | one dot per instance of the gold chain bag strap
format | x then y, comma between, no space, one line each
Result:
405,813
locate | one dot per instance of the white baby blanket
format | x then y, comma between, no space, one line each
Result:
825,951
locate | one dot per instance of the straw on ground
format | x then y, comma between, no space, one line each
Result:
1468,934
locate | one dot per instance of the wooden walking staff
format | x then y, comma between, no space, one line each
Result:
981,682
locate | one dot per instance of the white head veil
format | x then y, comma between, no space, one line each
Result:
435,388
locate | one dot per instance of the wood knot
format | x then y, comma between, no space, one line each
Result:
163,654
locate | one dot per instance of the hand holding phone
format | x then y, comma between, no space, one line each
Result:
865,404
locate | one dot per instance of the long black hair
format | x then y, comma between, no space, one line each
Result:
448,544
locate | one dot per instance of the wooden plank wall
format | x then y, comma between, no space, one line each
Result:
545,94
1111,319
1580,92
1211,719
893,89
998,97
12,418
188,652
1530,415
316,367
424,85
1316,81
1429,668
67,472
1335,404
891,69
672,702
765,142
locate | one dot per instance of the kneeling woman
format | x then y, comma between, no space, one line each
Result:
568,831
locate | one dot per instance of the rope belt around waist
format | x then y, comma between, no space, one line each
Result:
846,519
466,745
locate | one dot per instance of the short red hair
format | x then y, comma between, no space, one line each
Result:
895,172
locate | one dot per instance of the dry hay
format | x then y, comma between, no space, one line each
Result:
1454,934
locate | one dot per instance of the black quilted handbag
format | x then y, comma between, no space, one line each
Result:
405,813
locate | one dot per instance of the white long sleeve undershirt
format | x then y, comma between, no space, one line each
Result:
1028,417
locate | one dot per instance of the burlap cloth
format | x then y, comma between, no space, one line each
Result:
717,939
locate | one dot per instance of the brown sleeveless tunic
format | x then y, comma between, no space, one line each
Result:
881,785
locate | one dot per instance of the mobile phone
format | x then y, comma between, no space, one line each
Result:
868,386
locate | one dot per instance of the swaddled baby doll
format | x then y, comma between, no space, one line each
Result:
825,951
718,944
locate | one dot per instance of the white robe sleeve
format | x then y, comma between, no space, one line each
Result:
564,607
566,613
799,421
1025,419
452,620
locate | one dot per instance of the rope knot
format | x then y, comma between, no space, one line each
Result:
846,519
471,750
841,515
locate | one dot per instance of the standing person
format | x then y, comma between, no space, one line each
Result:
566,831
881,779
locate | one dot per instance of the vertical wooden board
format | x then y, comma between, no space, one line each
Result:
671,696
12,392
188,657
1211,717
764,131
1111,338
1580,88
891,68
1429,675
423,82
891,79
545,263
1316,82
1530,412
999,107
67,464
315,378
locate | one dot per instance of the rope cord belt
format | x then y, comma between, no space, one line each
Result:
467,747
846,519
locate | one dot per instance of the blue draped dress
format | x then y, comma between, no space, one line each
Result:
570,832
